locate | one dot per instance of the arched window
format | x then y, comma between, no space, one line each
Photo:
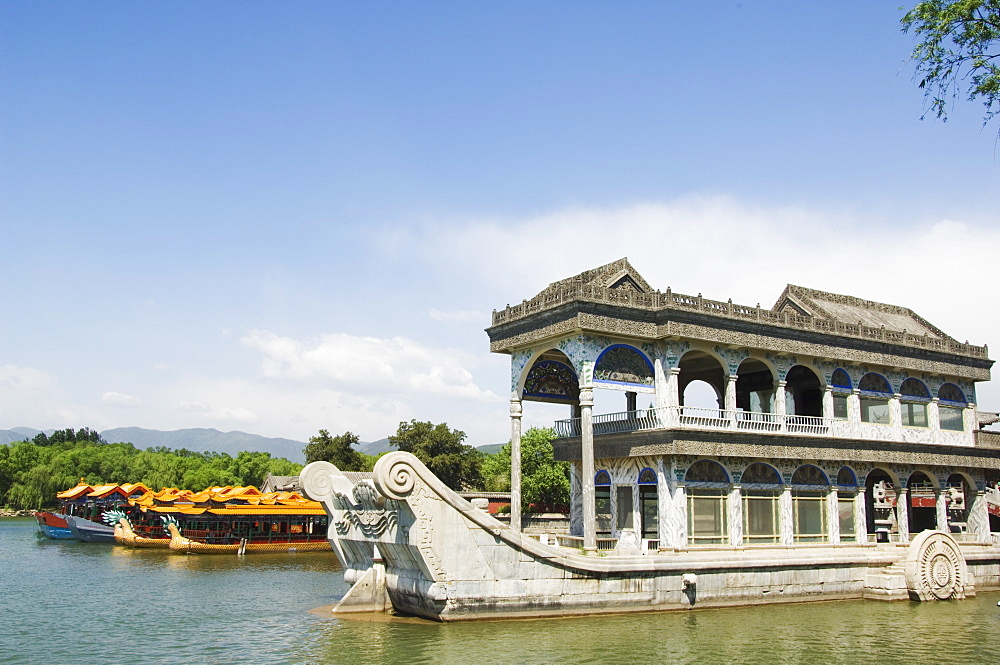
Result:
913,400
602,502
875,394
648,503
810,487
551,381
761,489
951,405
624,365
707,488
847,491
842,387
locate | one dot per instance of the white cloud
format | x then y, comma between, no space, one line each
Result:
120,399
21,381
369,365
219,413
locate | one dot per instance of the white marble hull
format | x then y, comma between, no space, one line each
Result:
434,555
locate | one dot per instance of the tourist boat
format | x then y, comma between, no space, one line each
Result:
81,508
841,454
53,525
223,520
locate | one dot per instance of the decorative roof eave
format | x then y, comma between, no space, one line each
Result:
559,304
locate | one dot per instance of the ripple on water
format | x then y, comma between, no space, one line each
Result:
64,599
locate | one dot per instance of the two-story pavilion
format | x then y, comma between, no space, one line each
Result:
838,419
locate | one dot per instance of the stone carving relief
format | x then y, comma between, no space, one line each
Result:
935,568
369,512
732,358
782,364
518,361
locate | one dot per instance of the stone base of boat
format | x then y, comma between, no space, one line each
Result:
447,560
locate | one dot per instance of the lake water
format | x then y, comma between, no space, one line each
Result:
68,603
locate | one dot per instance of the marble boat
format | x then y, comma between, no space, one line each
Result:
841,454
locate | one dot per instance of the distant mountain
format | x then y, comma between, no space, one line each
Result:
375,447
490,448
17,434
202,439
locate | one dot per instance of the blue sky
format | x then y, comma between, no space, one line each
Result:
277,217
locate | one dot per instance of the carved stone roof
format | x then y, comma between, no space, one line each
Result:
848,309
617,275
618,290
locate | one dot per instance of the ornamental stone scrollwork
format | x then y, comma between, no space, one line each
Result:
369,512
732,358
855,372
583,351
672,352
518,361
826,369
935,568
933,383
896,379
782,364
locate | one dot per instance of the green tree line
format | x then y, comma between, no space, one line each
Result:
32,472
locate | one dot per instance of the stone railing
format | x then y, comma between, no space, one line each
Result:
986,439
692,417
658,300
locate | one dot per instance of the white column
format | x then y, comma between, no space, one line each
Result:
895,414
828,402
903,514
786,516
969,419
854,406
933,414
833,514
515,464
941,509
660,383
587,454
860,516
735,515
673,397
664,505
575,500
730,400
680,516
979,516
779,403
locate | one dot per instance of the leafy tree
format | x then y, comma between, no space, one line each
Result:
544,481
959,45
337,450
442,450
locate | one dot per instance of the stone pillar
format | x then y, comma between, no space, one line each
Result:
854,406
630,401
735,516
575,500
933,414
786,516
828,402
903,514
664,505
659,383
941,509
515,464
979,516
730,399
673,397
587,455
895,413
680,516
969,419
779,404
861,515
833,514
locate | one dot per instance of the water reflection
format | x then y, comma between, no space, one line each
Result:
152,606
828,632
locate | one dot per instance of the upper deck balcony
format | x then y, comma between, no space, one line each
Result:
699,418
